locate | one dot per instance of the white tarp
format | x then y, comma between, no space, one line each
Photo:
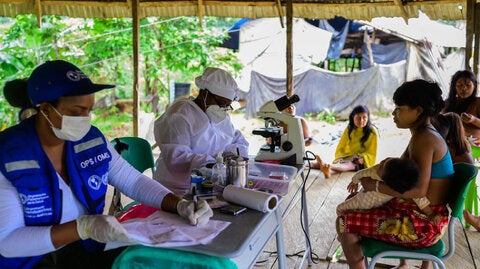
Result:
320,89
422,28
263,48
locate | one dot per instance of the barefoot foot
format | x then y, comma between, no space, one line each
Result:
325,168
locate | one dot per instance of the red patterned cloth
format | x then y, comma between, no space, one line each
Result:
398,222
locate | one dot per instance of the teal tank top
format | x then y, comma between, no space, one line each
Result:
443,168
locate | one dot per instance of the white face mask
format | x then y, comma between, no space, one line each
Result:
73,128
216,114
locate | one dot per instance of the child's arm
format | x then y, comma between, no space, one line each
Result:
424,204
436,218
370,172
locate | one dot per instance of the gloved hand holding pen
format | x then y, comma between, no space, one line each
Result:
186,209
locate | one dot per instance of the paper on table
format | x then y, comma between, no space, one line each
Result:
163,229
257,200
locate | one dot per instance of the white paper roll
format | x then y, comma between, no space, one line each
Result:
257,200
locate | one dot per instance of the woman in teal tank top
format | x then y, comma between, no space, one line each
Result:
416,104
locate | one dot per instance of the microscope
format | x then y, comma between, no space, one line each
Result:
284,148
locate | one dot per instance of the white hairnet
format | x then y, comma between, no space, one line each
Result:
218,82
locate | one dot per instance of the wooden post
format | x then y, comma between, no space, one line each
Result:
289,41
476,31
38,11
200,11
280,12
135,36
469,32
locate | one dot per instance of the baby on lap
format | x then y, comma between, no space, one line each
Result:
399,174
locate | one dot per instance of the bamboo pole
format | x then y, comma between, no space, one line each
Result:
280,13
289,41
136,72
399,3
200,11
476,31
470,30
38,12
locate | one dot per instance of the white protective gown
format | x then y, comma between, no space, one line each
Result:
187,139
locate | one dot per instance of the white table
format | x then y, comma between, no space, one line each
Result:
245,238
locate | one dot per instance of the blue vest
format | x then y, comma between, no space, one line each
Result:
24,163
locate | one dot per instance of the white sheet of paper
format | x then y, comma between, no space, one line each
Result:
163,229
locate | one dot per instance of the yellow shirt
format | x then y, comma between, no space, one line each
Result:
350,147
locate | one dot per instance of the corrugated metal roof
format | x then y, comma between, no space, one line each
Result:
321,9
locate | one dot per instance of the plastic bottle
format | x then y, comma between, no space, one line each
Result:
219,172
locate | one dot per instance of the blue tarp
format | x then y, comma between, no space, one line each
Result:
384,54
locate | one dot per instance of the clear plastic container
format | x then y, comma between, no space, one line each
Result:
274,178
219,172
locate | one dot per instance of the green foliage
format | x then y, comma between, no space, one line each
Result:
383,114
25,45
8,114
179,49
327,115
308,116
342,64
170,49
112,122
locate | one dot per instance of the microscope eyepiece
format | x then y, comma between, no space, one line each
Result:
284,101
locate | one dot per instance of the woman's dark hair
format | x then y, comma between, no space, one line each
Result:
454,104
420,93
367,130
450,126
15,92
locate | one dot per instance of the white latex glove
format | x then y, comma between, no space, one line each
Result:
186,210
101,228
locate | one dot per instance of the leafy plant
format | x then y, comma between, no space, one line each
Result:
308,116
8,114
112,122
171,49
383,114
327,115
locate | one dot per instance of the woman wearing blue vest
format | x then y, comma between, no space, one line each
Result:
54,172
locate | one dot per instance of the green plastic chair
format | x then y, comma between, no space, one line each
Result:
138,153
471,201
376,250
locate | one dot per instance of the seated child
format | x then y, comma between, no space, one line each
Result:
399,174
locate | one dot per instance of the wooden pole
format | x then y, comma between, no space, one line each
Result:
200,11
470,31
280,12
38,12
289,41
476,31
136,72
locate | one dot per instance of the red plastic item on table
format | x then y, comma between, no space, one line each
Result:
137,211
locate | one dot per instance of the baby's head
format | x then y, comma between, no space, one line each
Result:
399,174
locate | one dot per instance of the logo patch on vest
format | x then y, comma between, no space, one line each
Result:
95,182
36,204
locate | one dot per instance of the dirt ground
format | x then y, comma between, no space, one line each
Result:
392,141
